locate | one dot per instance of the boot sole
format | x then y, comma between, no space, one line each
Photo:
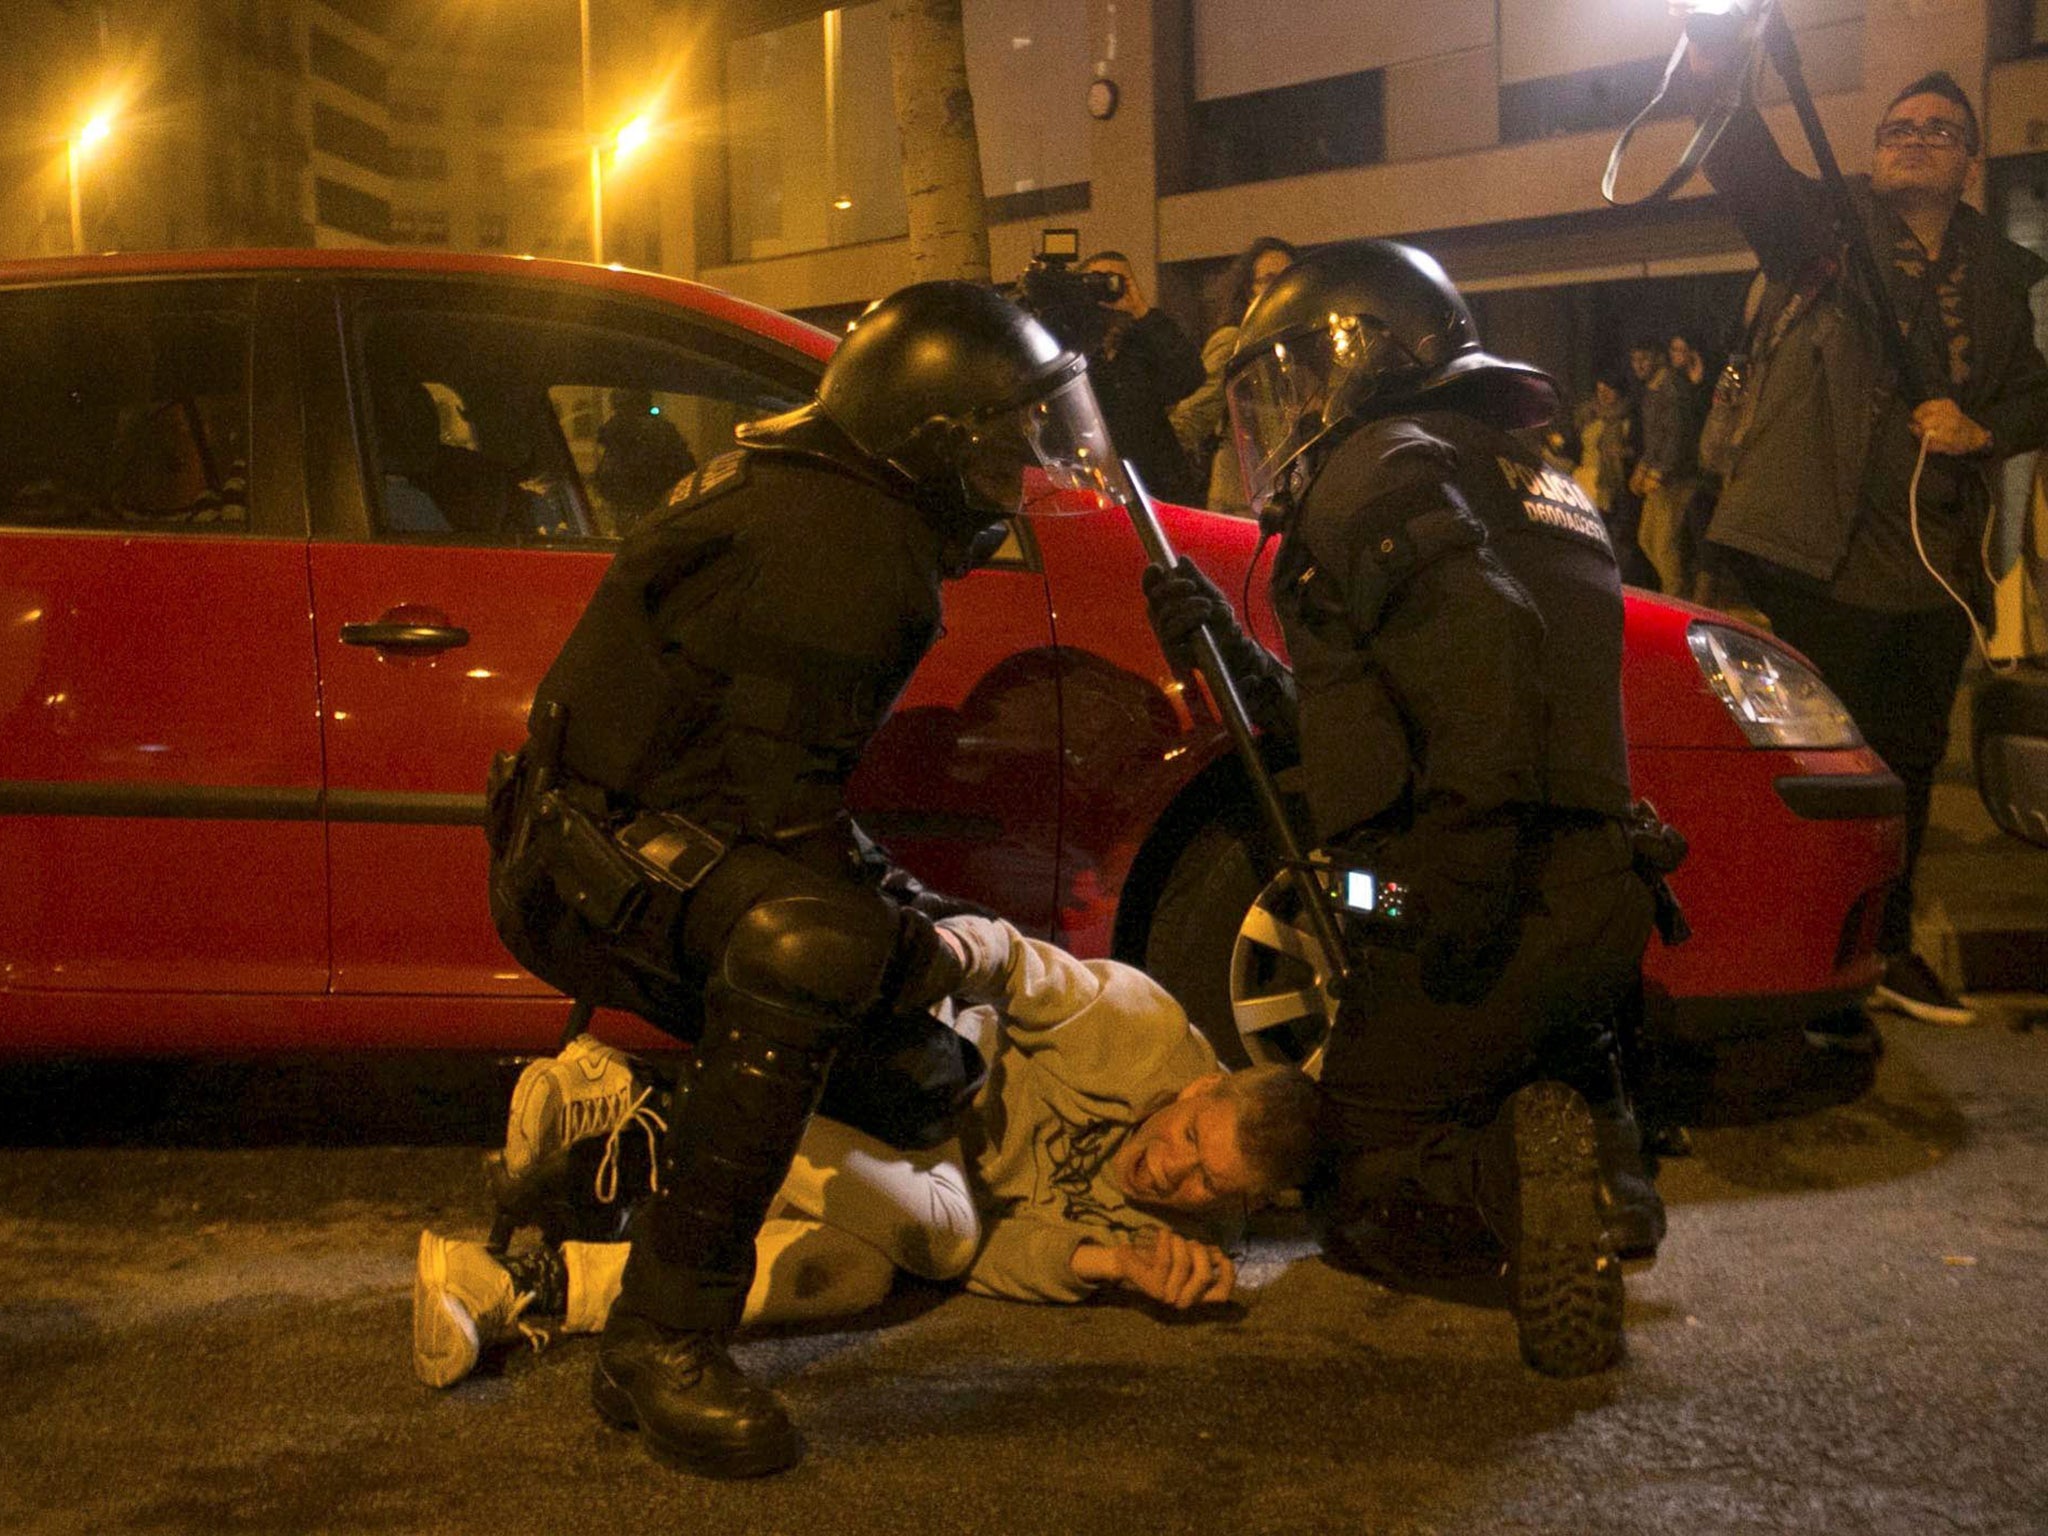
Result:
615,1406
1566,1277
445,1346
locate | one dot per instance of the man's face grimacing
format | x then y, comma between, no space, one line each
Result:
1923,150
1186,1156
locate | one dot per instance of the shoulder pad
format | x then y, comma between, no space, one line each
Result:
728,472
1385,507
1399,439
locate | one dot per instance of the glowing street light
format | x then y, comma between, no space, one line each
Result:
96,130
634,137
629,140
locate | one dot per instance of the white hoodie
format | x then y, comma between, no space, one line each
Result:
1079,1053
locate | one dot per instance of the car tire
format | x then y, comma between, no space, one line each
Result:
1187,950
1225,943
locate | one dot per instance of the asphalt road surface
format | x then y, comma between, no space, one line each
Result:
205,1291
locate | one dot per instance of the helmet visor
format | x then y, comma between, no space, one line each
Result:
1281,399
1070,442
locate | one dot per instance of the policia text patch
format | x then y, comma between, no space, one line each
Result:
1551,499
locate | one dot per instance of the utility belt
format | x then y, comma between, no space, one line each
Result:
625,876
1380,905
1655,849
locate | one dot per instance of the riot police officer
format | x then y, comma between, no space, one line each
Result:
674,839
1453,613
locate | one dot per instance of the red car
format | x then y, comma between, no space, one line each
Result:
287,538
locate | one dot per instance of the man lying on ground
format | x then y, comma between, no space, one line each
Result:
1107,1149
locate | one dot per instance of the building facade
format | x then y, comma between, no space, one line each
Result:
1179,130
1173,130
230,122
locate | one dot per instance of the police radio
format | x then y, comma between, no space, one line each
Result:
1384,911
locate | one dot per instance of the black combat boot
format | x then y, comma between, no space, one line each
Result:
1540,1192
1628,1193
662,1366
693,1407
1629,1199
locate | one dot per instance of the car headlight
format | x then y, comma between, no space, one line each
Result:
1777,699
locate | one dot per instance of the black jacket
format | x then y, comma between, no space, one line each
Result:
746,643
1149,367
1828,445
1454,616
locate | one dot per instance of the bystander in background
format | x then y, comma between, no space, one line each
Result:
1606,457
1674,410
1144,363
1853,512
1198,420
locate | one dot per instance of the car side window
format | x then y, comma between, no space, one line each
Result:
126,408
485,427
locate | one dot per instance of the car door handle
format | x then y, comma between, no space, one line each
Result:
405,637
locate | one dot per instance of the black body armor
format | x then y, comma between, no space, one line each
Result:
747,642
1454,615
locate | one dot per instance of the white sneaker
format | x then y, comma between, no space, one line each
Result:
463,1301
588,1090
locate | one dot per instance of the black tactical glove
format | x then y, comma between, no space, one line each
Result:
1179,602
907,890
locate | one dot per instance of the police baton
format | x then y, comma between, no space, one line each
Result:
1315,905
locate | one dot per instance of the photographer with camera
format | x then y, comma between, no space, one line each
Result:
1140,360
1143,365
1854,511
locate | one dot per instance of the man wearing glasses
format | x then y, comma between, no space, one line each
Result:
1820,520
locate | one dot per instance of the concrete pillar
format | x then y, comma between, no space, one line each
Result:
1141,46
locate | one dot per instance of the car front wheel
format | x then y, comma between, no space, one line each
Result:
1229,942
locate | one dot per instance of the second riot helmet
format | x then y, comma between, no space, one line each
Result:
958,391
1354,331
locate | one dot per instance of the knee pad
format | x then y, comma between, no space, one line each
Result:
828,953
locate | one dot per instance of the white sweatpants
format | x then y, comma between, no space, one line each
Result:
852,1211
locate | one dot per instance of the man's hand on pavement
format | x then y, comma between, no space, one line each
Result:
1175,1270
1943,427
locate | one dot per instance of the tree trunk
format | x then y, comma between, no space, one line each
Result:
941,155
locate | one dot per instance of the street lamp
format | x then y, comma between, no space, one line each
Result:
596,152
633,137
629,140
95,132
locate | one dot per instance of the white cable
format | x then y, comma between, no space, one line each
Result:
1996,664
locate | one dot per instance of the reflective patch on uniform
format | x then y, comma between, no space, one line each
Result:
1554,500
727,472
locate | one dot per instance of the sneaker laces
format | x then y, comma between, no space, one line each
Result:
643,1114
537,1334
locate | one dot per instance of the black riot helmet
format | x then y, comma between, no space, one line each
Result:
1354,331
952,392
